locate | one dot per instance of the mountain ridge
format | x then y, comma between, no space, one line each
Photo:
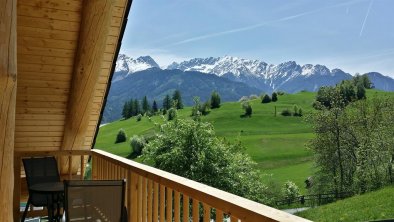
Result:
287,76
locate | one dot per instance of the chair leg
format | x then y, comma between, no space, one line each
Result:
26,208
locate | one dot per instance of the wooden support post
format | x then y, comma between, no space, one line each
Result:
8,78
94,29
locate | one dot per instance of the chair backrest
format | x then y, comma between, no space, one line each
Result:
41,170
94,200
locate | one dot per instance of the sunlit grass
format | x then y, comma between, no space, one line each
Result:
371,206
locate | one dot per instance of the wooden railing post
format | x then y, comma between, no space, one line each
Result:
8,87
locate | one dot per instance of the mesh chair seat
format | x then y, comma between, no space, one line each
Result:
95,200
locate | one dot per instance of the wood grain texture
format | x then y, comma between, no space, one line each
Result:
8,80
93,36
230,204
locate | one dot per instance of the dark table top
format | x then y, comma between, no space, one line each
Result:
52,187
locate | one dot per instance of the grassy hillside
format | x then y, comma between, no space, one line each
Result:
371,206
276,143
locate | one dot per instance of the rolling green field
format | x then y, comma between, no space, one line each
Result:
371,206
275,143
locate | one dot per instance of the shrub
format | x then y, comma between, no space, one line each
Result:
248,109
300,112
280,93
290,190
274,97
297,111
137,143
121,136
138,117
295,108
266,99
253,96
171,114
243,99
286,112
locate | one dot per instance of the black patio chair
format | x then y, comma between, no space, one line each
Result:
95,200
40,170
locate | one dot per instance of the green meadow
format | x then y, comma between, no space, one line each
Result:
376,206
275,142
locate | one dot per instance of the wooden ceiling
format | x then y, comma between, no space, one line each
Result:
65,54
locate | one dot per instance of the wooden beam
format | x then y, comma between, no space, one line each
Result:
7,106
95,26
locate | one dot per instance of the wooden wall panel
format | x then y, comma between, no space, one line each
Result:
47,40
48,35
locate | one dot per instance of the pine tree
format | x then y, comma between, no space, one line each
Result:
154,106
266,99
215,100
274,97
167,102
178,98
145,105
137,108
126,110
131,108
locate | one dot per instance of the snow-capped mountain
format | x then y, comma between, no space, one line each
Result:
126,65
287,76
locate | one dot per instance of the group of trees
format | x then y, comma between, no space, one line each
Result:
348,91
267,99
199,108
173,102
134,107
354,144
297,111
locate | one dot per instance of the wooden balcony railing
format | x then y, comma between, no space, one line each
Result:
156,195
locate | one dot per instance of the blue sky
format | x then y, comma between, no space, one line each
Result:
354,35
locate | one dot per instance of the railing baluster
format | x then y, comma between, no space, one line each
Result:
150,192
101,168
207,212
196,210
107,170
156,202
177,204
128,194
139,199
169,205
134,196
93,168
70,167
219,215
185,200
162,203
82,167
144,199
